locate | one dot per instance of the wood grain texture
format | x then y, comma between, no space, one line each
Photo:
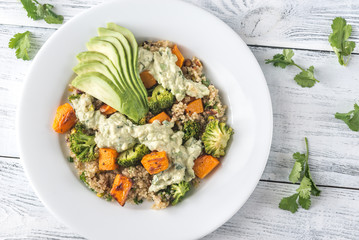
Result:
22,216
293,23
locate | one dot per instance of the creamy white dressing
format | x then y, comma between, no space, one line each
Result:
162,65
119,133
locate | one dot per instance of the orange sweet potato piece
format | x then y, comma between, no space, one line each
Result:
204,165
160,117
195,107
155,162
65,118
120,188
107,110
107,159
179,55
147,79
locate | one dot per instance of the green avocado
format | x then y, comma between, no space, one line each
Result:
100,87
122,66
90,56
134,48
127,48
96,66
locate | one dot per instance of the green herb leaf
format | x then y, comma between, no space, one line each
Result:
306,78
282,60
305,187
351,118
338,39
70,159
295,173
21,42
289,203
38,11
304,202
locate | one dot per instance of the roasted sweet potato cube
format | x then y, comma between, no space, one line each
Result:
160,117
107,159
204,165
107,110
120,188
179,56
155,162
195,107
65,118
147,79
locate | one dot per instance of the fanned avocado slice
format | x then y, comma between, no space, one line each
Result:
134,48
122,67
96,66
129,56
90,56
102,88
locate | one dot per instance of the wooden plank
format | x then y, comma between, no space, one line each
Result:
335,213
298,112
293,24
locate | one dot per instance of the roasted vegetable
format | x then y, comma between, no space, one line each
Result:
65,118
191,129
179,56
82,144
195,107
107,110
204,165
120,188
107,159
155,162
178,191
147,79
133,156
160,100
160,117
216,137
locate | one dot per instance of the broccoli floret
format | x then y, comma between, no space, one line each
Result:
178,191
215,138
82,145
191,129
133,156
160,100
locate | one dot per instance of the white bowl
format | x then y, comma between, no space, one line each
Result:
229,64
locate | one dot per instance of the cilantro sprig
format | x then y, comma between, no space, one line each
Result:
38,11
338,40
305,78
307,187
351,118
21,42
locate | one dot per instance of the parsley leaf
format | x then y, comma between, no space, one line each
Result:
38,11
21,42
289,203
338,39
305,78
351,118
307,186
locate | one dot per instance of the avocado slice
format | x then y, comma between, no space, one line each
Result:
134,48
90,56
129,56
122,66
96,66
99,86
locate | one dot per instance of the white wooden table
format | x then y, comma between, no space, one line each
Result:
267,27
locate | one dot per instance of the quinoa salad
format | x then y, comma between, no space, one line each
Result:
142,122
